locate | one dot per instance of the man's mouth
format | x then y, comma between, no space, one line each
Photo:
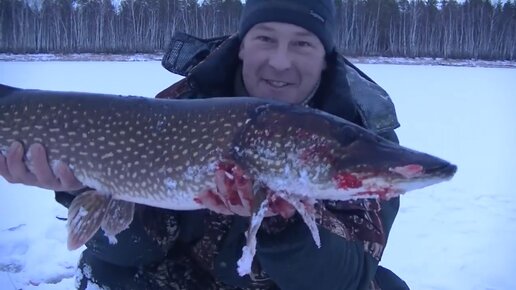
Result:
277,84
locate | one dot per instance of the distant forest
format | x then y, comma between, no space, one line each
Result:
478,29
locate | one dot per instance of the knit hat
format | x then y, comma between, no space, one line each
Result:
316,16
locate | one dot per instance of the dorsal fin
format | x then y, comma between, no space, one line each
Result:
6,90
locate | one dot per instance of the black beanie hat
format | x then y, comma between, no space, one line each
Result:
316,16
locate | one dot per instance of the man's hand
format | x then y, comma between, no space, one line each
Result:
234,195
39,172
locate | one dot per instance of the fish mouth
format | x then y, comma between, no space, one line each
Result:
445,171
394,181
427,177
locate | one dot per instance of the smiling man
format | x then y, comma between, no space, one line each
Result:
284,50
281,61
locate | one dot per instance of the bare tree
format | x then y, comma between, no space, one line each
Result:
413,28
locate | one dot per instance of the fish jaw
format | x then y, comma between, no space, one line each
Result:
393,181
358,184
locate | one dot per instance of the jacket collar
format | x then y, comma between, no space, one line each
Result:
214,76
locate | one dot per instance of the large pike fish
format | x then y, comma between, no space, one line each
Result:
164,153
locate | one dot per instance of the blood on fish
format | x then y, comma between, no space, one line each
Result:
234,198
208,197
347,180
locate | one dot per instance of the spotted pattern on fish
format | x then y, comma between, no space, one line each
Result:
140,149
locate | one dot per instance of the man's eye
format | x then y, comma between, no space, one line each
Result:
264,38
303,44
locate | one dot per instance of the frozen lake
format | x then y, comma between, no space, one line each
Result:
457,235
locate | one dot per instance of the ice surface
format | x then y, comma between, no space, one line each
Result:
455,235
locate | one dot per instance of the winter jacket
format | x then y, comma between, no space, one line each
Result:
199,249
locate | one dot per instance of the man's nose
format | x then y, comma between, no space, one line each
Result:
280,59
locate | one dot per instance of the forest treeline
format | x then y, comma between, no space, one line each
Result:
477,29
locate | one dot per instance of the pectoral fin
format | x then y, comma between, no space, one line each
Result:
85,216
119,217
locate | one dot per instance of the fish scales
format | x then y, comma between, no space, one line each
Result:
111,145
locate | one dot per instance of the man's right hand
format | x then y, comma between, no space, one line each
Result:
39,172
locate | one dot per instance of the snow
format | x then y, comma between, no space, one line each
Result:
245,262
455,235
157,57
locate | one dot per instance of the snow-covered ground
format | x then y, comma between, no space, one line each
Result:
458,235
157,57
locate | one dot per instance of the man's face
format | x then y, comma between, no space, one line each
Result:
281,61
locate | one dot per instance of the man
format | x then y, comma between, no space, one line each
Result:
284,50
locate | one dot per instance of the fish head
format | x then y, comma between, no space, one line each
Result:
373,166
315,154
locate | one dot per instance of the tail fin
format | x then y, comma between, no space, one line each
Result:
6,90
